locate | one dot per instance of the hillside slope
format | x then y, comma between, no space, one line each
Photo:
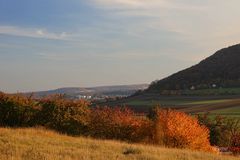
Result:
39,144
221,70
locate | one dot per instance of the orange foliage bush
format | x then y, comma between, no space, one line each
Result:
118,123
177,129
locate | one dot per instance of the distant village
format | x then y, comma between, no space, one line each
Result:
100,97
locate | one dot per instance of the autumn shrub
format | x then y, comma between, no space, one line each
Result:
177,129
224,132
235,150
17,110
219,132
236,140
66,116
118,123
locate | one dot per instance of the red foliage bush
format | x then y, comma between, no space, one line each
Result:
118,123
235,150
236,140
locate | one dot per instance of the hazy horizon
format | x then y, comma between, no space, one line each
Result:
52,44
62,87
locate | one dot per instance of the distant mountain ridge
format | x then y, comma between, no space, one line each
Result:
74,92
222,69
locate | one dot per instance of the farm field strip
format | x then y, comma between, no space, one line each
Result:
216,105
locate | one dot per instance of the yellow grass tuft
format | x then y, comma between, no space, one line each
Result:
41,144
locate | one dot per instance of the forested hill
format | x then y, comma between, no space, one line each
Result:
222,69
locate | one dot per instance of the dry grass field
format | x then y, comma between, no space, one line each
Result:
41,144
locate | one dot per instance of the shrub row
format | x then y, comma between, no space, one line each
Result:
164,127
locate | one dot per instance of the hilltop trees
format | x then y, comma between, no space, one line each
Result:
219,70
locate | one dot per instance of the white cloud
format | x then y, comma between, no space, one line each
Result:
32,32
157,14
129,3
148,5
204,25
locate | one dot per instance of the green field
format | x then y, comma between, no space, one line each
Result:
208,102
174,102
232,112
157,102
217,91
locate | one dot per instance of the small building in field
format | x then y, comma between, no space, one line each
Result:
193,88
214,85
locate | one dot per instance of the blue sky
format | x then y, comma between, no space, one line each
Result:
46,44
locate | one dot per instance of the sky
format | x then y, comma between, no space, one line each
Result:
47,44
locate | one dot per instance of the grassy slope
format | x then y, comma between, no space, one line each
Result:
39,144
